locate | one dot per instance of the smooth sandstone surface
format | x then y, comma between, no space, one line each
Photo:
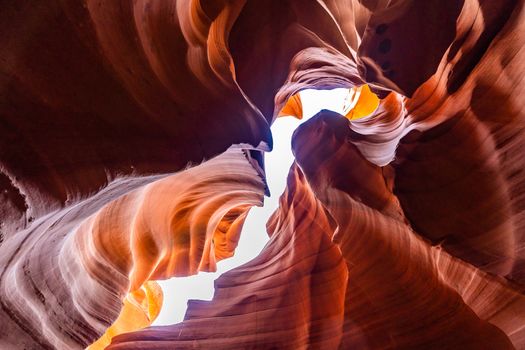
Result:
132,140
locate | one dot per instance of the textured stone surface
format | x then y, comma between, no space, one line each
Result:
403,229
65,277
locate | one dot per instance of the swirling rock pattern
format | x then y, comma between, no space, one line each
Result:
290,283
402,229
65,277
139,310
384,256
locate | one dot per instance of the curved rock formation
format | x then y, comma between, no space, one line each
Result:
401,229
290,297
411,287
64,278
399,291
139,310
92,91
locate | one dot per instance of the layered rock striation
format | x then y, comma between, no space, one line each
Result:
400,229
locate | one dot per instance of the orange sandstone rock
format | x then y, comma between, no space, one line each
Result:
106,107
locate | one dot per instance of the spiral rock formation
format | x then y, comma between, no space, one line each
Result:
401,229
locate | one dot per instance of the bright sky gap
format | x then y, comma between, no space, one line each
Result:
178,290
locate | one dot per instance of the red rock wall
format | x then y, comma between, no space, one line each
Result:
101,103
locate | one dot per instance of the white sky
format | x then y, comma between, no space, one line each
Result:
177,291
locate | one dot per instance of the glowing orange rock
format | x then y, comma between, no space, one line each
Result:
361,102
293,107
101,102
141,307
106,246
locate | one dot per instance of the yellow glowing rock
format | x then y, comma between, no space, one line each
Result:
363,102
293,107
139,310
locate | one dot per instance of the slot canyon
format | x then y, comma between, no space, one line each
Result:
133,139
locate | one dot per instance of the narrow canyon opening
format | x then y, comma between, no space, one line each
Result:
136,146
178,290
